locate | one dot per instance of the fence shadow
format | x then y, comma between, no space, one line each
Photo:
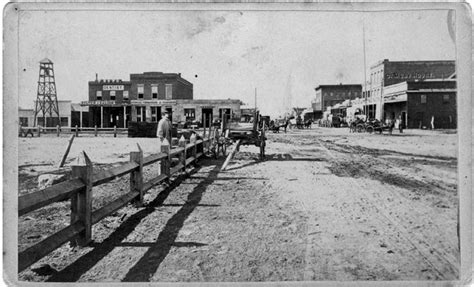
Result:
146,267
74,271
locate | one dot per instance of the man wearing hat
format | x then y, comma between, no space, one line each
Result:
164,127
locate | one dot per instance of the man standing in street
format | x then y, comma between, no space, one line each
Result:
164,127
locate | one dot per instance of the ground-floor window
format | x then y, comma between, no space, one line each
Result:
154,114
23,121
190,114
225,113
64,122
141,116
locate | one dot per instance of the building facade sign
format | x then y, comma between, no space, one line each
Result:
99,103
112,87
156,102
406,76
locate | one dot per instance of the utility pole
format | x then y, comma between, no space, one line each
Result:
365,65
255,99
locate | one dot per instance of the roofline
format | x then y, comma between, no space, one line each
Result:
418,61
339,85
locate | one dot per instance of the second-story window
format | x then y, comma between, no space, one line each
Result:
168,91
98,95
154,91
140,91
423,99
445,99
125,95
112,95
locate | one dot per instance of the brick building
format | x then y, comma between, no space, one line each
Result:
146,96
420,102
329,95
386,73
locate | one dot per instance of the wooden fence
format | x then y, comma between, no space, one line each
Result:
79,191
37,131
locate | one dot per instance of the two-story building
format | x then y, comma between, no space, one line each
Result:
385,73
147,95
419,103
330,95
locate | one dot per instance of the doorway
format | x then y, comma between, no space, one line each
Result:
170,111
206,115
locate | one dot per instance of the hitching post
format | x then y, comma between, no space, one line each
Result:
165,163
81,202
115,131
77,131
136,176
57,130
39,131
95,130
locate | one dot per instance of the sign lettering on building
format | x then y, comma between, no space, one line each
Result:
157,102
97,103
112,87
396,75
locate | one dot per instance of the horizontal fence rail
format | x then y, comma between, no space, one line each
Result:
37,131
79,191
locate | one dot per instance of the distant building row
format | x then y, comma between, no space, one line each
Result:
416,91
143,98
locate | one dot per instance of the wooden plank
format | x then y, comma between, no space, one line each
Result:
63,190
198,155
154,158
189,146
231,155
38,251
153,182
176,168
108,175
81,202
67,149
176,151
115,205
189,160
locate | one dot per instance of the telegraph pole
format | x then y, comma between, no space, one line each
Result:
365,66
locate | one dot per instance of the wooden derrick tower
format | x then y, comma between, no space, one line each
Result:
46,105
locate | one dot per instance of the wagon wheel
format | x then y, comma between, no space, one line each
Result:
360,128
369,129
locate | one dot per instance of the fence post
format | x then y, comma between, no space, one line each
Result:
95,130
204,124
115,131
182,156
77,132
165,163
136,176
81,202
57,130
192,139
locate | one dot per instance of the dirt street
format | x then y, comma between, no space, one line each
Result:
325,205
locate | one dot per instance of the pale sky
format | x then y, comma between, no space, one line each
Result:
225,54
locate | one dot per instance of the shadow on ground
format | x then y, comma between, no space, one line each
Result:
144,269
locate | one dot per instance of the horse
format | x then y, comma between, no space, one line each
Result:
308,124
